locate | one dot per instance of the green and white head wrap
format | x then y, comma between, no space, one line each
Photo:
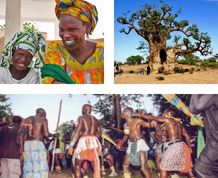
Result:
33,42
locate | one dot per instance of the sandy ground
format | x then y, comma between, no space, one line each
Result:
135,174
208,76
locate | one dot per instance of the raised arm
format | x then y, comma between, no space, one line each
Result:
200,103
156,118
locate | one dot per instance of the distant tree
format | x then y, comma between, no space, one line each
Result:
109,107
216,56
5,108
158,25
132,60
67,130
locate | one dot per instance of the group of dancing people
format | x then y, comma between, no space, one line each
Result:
172,149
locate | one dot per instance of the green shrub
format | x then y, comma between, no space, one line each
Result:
179,70
187,61
209,64
160,78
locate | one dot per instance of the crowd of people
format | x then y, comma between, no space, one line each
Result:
28,149
75,59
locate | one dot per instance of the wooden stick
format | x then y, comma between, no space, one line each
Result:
55,141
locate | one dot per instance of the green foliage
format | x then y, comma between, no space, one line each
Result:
67,130
187,61
2,27
159,24
28,26
5,109
109,108
132,60
179,70
216,56
209,63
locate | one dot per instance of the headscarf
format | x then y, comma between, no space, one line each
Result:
78,8
28,40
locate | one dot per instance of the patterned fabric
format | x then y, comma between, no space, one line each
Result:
88,147
30,41
35,160
177,102
133,150
78,8
176,157
92,72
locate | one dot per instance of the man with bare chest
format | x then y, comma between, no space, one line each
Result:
136,151
176,154
88,146
35,157
160,138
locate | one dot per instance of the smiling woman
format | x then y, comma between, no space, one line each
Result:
81,59
17,57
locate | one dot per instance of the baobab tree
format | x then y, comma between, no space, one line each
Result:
159,25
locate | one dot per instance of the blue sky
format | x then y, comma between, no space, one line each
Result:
200,12
25,105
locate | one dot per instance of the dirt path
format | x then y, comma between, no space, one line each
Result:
208,76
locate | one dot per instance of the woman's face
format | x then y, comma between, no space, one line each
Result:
21,59
72,31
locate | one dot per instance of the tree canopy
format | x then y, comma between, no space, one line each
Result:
158,25
132,60
5,109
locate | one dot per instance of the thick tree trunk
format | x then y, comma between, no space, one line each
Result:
117,108
161,60
157,56
171,60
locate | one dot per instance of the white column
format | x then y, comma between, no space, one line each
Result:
56,29
12,18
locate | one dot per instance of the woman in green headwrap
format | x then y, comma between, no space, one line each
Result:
17,57
81,59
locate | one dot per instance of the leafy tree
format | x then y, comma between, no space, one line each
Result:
109,107
5,110
67,130
216,56
132,60
157,25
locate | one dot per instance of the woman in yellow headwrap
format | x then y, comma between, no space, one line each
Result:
81,59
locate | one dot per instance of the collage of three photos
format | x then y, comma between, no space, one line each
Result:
108,131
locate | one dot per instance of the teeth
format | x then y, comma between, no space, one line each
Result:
22,65
70,42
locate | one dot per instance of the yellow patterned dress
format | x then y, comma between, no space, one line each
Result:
91,72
